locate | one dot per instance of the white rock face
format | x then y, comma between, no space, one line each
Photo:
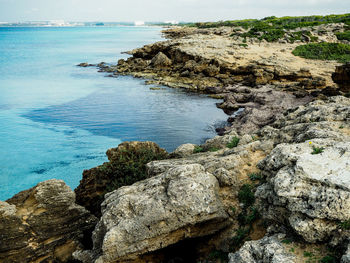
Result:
184,150
313,188
266,250
157,212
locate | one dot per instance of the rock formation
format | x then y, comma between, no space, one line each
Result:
126,165
43,224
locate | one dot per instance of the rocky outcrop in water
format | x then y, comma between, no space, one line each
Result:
126,165
43,224
208,193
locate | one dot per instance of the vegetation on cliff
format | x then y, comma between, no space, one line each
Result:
324,51
287,22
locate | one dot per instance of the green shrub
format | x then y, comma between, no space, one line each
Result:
234,142
324,51
239,238
128,167
328,259
343,36
317,150
246,195
248,216
198,149
213,149
308,254
345,225
254,176
286,241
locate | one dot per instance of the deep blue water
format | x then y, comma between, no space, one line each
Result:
57,119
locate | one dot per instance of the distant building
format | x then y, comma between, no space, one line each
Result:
172,22
139,23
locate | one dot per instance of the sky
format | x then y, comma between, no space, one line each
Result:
163,10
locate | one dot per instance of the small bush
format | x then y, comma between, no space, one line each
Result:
324,51
247,217
246,195
328,259
343,36
234,142
238,239
198,149
345,225
317,150
308,254
286,241
254,176
213,149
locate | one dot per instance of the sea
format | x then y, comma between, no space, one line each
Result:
57,119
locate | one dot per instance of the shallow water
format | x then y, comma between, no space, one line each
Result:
57,119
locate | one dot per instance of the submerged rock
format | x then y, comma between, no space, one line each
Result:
43,224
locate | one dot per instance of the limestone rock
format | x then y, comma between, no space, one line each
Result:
266,250
184,150
341,76
97,181
346,257
157,212
161,60
314,189
42,224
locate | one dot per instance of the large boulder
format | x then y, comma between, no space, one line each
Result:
341,76
43,224
155,213
160,60
126,165
307,190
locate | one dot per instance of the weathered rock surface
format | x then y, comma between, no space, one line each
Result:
149,215
97,181
42,224
341,76
184,150
266,250
262,106
308,191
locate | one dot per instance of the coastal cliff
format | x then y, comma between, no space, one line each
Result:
274,187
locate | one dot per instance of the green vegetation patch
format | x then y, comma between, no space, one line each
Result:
343,36
129,167
198,149
246,195
324,51
317,150
233,143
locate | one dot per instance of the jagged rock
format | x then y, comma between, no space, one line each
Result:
97,181
42,224
266,250
262,106
313,189
157,212
161,60
184,150
341,76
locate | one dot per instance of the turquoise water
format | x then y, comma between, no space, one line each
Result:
57,119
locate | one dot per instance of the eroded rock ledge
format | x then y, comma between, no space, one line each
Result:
200,194
43,224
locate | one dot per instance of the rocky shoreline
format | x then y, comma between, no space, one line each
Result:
273,188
